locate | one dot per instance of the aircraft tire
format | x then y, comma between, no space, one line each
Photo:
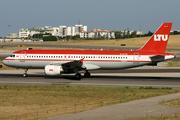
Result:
87,74
78,76
25,75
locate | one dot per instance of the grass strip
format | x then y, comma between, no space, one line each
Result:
40,101
173,64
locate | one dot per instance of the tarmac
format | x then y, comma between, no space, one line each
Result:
143,108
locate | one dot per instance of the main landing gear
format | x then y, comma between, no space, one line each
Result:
25,73
87,74
78,75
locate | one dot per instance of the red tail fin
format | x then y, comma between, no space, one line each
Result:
158,42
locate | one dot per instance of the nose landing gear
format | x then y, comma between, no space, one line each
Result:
25,73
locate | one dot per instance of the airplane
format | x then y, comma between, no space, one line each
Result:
57,62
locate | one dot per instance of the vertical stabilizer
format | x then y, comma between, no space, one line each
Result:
158,41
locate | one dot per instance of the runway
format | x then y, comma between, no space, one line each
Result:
142,76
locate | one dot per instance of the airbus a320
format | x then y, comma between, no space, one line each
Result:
57,62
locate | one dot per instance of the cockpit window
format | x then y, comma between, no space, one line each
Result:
12,55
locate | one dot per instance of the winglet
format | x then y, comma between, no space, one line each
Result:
81,60
158,42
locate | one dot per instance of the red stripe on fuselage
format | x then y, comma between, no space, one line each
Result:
88,52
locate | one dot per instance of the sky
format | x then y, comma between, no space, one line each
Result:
96,14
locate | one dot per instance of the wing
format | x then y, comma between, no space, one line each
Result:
76,64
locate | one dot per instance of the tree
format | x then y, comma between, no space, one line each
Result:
67,37
37,36
50,38
175,32
29,36
76,37
133,34
124,34
118,34
128,34
47,33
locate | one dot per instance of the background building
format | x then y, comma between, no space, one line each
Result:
60,31
97,34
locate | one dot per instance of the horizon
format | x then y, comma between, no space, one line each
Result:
117,15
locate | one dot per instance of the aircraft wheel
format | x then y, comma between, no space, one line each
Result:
87,74
25,75
78,76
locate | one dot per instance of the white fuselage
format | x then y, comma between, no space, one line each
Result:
121,61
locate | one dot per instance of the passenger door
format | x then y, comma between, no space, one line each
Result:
136,58
22,56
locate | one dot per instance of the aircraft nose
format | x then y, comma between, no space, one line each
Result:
5,62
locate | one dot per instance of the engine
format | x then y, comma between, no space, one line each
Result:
53,70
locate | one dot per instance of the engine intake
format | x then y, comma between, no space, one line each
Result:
53,70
